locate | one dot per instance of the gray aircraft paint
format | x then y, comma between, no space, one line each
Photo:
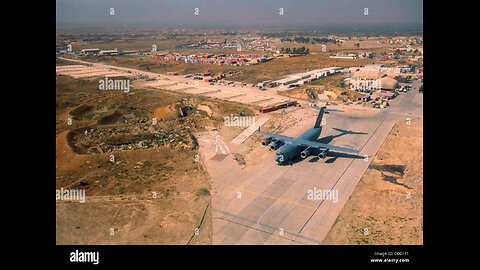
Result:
293,147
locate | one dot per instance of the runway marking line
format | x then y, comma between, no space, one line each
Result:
304,206
258,229
271,197
293,223
261,224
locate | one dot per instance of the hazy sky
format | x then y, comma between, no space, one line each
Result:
236,12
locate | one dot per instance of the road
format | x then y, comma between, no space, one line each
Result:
269,204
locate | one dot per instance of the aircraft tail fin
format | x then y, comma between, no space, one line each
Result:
318,122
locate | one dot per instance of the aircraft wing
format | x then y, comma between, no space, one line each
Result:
276,137
322,145
306,143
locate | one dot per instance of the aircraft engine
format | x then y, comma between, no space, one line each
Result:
267,141
323,154
275,146
305,153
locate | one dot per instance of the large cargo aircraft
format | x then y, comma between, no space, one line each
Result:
304,145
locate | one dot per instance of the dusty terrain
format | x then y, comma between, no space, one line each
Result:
271,70
155,190
388,200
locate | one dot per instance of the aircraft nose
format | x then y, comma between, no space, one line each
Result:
279,158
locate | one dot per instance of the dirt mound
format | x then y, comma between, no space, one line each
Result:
166,113
62,105
98,139
110,119
220,110
81,110
72,139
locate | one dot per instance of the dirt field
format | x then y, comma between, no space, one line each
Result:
386,207
148,161
271,70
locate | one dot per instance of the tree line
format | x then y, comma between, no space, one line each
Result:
301,50
308,40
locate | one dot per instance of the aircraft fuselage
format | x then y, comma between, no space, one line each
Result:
288,152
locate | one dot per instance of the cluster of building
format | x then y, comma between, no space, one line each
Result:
370,77
295,80
345,56
220,59
254,43
378,82
411,41
415,58
382,68
99,52
377,77
370,80
104,52
209,44
352,55
365,54
386,56
257,44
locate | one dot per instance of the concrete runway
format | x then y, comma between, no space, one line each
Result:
269,204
